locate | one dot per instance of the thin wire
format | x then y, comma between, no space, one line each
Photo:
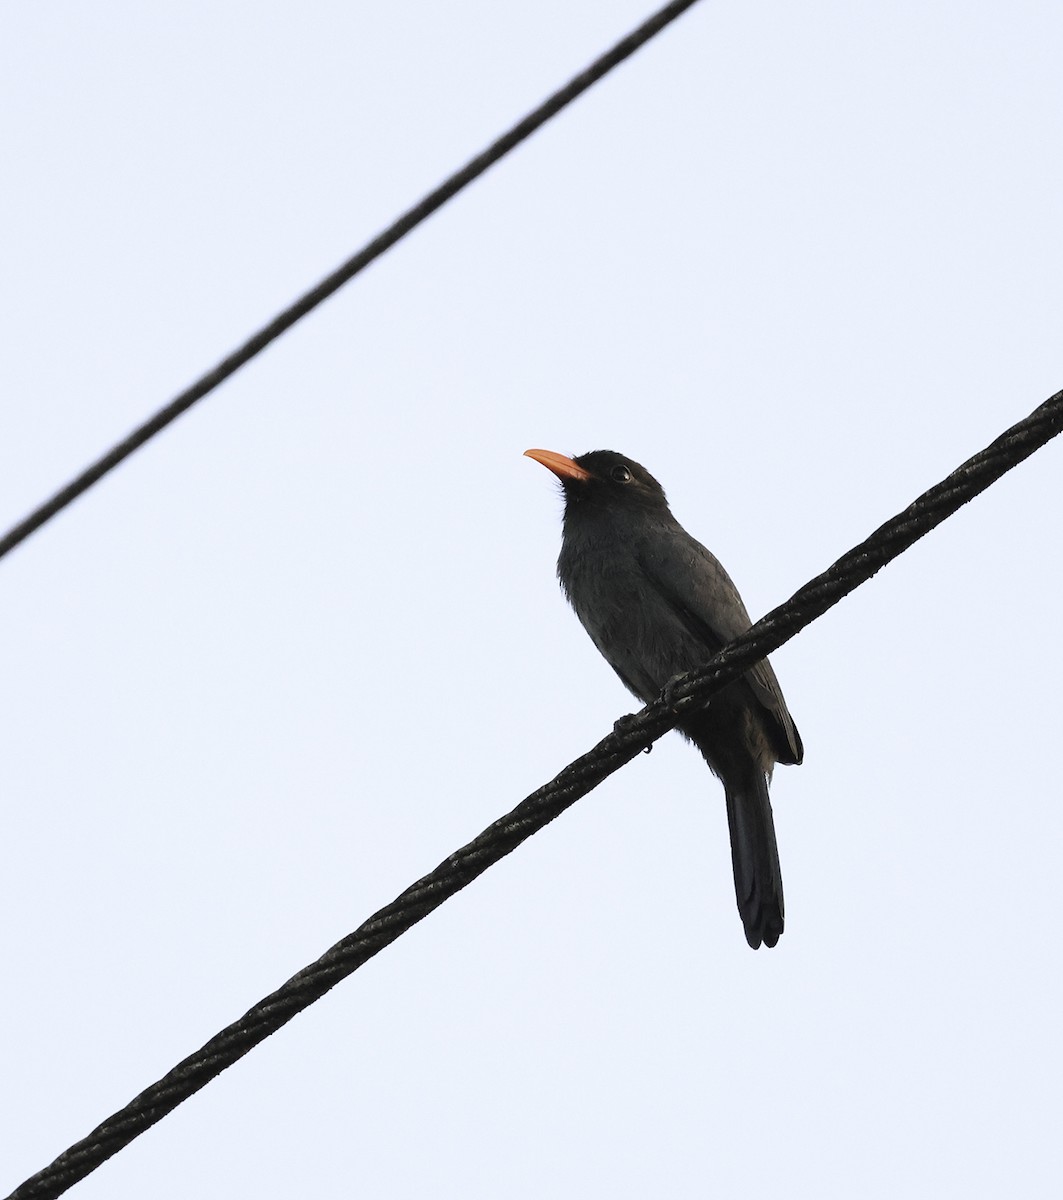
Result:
631,736
332,283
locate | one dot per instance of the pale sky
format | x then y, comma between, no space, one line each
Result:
800,261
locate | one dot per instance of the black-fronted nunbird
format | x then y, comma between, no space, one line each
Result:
657,604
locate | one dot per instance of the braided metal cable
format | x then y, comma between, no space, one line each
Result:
632,735
409,220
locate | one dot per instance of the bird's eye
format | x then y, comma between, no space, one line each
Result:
621,474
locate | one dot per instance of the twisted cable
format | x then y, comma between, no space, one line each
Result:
630,736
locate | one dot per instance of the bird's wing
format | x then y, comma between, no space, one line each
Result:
694,584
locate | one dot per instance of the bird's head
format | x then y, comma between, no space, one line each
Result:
603,480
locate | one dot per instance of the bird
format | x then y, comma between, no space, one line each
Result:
657,604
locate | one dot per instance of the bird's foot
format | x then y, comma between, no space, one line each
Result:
675,703
623,726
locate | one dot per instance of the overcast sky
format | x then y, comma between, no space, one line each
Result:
801,260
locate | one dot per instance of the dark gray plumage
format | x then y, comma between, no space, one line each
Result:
657,604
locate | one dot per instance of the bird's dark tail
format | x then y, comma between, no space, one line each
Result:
758,876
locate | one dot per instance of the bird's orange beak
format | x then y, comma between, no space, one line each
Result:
564,468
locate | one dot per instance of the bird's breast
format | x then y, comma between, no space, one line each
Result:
627,617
